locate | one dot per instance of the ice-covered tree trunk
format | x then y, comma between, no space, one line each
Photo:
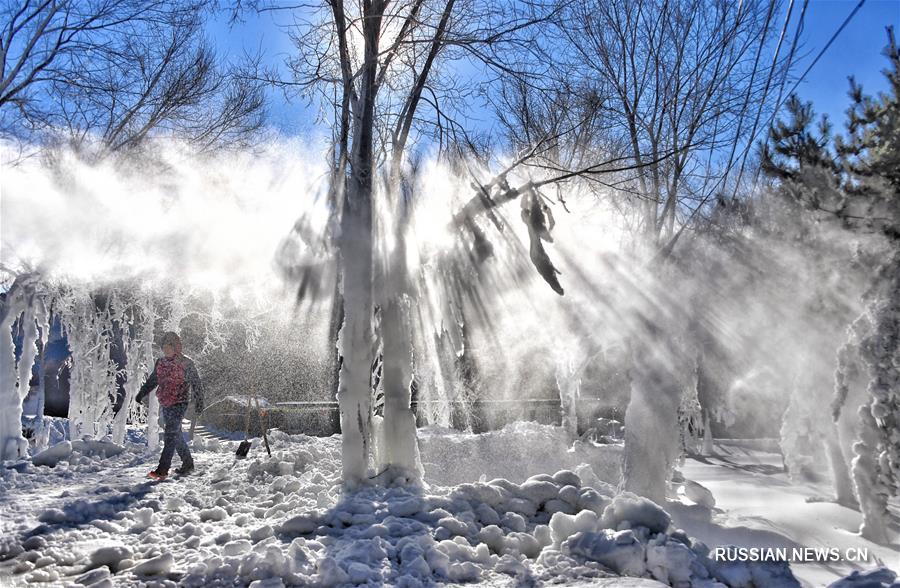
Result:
153,423
840,470
139,356
840,465
356,336
19,298
29,350
690,419
400,451
797,437
870,488
809,437
850,393
11,440
876,468
708,447
568,380
355,341
858,431
356,255
77,339
651,420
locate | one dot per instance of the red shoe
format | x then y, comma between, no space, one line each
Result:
157,476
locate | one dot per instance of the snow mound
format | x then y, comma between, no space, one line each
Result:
51,456
699,494
93,448
628,510
515,452
98,577
619,551
64,451
299,525
745,575
110,556
155,566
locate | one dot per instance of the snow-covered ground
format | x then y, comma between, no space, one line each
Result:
95,519
757,505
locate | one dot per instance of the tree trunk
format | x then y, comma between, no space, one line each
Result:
354,390
708,446
12,444
840,471
354,394
400,450
871,493
651,421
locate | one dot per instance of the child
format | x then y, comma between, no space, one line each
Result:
172,375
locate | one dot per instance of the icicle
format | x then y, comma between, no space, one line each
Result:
137,333
41,431
93,373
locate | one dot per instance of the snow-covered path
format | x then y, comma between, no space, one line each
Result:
757,506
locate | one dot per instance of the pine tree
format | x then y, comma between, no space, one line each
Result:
870,156
800,158
871,151
798,155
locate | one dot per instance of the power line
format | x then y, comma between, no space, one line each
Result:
781,100
762,102
827,45
784,98
759,49
790,60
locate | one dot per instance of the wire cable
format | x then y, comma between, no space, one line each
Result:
783,98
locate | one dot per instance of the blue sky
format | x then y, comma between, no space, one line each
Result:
856,52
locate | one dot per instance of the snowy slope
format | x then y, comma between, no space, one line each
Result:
757,505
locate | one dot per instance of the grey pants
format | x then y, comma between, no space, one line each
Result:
173,439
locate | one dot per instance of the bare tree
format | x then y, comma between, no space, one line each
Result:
647,80
118,71
677,89
383,72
